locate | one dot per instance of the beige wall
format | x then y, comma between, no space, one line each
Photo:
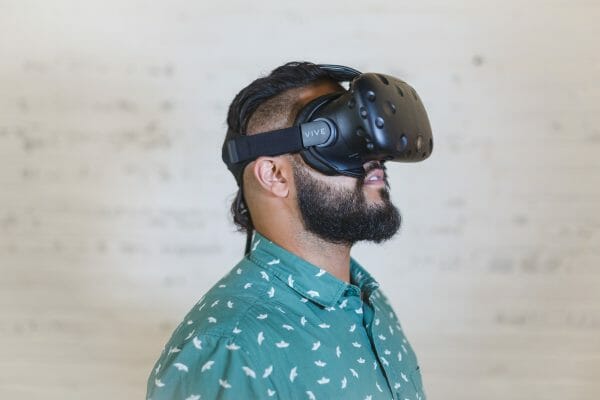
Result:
113,203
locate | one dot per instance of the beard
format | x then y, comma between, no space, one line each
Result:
343,216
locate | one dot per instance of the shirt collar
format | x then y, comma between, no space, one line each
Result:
310,281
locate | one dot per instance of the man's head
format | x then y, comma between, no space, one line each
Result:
284,189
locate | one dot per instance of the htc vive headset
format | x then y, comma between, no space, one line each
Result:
379,117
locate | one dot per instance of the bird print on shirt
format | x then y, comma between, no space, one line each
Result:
249,372
181,367
293,374
267,372
207,366
232,347
224,384
197,343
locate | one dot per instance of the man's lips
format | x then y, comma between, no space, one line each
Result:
375,177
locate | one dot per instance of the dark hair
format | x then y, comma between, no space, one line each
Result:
291,75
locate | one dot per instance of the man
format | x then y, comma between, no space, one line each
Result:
297,317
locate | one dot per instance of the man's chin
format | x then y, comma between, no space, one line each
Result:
381,239
377,196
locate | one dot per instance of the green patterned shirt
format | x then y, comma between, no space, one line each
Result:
278,327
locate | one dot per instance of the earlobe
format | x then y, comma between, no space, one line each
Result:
269,175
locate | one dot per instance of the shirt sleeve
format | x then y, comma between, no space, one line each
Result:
207,367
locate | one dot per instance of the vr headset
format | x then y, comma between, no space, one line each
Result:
379,117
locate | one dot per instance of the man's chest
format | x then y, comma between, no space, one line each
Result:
355,350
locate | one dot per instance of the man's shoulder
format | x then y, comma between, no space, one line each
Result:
227,323
222,311
241,307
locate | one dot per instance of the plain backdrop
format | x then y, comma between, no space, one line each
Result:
114,200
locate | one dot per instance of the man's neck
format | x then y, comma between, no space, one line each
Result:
333,258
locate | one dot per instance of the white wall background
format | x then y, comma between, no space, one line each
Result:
114,200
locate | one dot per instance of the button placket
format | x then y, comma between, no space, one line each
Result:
378,338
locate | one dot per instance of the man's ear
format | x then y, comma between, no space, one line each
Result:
273,175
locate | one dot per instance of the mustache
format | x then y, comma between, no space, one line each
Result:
374,165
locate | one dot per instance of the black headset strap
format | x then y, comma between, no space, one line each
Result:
281,141
340,73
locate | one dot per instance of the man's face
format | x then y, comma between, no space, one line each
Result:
343,209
